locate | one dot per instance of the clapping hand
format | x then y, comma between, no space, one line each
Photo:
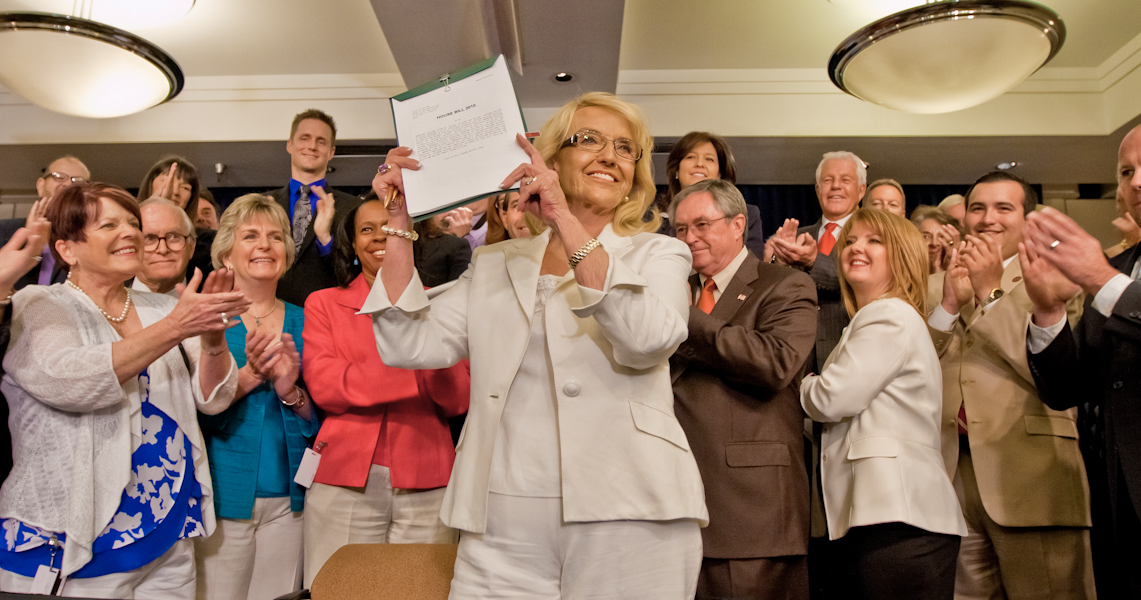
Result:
957,290
457,221
212,311
1047,288
786,231
982,256
323,220
277,361
1056,238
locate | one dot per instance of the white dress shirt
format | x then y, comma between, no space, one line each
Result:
723,277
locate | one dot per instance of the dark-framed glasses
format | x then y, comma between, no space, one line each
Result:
174,241
592,141
697,227
64,178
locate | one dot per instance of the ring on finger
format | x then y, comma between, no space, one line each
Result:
225,319
384,168
37,258
1055,244
531,180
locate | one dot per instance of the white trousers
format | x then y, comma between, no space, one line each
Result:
168,577
375,514
527,551
252,559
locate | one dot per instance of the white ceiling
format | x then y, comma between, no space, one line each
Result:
753,70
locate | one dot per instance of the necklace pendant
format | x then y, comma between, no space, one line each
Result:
257,322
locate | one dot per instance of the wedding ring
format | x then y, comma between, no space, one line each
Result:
37,258
382,169
530,181
1055,244
225,320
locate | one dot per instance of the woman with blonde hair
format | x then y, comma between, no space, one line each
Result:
573,477
890,506
256,445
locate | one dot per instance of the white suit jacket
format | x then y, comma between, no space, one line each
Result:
624,455
879,396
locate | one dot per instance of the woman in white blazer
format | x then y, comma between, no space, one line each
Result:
572,477
887,497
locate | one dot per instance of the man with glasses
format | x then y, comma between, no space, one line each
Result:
168,244
61,172
736,383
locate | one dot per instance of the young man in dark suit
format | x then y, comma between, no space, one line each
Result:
736,386
312,142
1100,360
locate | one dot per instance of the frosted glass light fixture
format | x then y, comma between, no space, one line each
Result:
947,55
83,68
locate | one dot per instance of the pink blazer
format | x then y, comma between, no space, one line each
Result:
359,394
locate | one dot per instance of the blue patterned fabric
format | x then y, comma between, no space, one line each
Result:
160,505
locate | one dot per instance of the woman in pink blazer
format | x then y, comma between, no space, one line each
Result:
386,450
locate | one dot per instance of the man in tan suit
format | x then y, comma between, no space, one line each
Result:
752,326
1015,462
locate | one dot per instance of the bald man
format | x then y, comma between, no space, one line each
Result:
1098,360
62,171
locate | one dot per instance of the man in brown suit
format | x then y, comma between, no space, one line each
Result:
752,326
1014,461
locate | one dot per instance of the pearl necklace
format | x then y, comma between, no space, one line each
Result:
257,319
126,306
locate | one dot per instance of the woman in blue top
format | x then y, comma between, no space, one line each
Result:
256,445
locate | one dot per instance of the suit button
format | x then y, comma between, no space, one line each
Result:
1117,385
1135,314
571,388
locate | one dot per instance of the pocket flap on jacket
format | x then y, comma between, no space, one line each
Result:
657,423
1046,425
875,446
757,454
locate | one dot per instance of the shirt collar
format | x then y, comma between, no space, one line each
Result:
722,278
295,185
839,224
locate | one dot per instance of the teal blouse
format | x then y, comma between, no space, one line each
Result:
256,445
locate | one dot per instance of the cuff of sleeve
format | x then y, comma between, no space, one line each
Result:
324,249
1110,293
413,299
617,273
1039,338
941,319
231,381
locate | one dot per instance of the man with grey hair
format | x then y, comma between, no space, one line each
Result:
168,244
736,384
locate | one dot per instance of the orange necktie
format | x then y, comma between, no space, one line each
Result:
828,240
705,302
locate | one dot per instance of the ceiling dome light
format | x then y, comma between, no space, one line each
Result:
83,68
947,55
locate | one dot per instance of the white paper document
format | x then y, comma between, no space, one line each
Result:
463,134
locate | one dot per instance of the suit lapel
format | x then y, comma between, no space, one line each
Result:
735,294
1124,262
524,258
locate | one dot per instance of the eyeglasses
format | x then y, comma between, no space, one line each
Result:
174,241
592,141
504,206
64,178
699,227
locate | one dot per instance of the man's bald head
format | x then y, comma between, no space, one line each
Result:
1129,172
59,173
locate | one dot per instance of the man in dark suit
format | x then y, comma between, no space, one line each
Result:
736,389
1099,361
312,142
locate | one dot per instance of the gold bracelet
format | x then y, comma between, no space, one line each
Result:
209,353
586,248
411,236
296,403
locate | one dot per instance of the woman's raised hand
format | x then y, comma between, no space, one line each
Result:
280,362
540,192
388,177
212,311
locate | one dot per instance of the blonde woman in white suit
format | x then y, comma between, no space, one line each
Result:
573,478
887,497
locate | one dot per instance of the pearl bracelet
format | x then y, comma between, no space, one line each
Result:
408,235
586,248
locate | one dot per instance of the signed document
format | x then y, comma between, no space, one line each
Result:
462,130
